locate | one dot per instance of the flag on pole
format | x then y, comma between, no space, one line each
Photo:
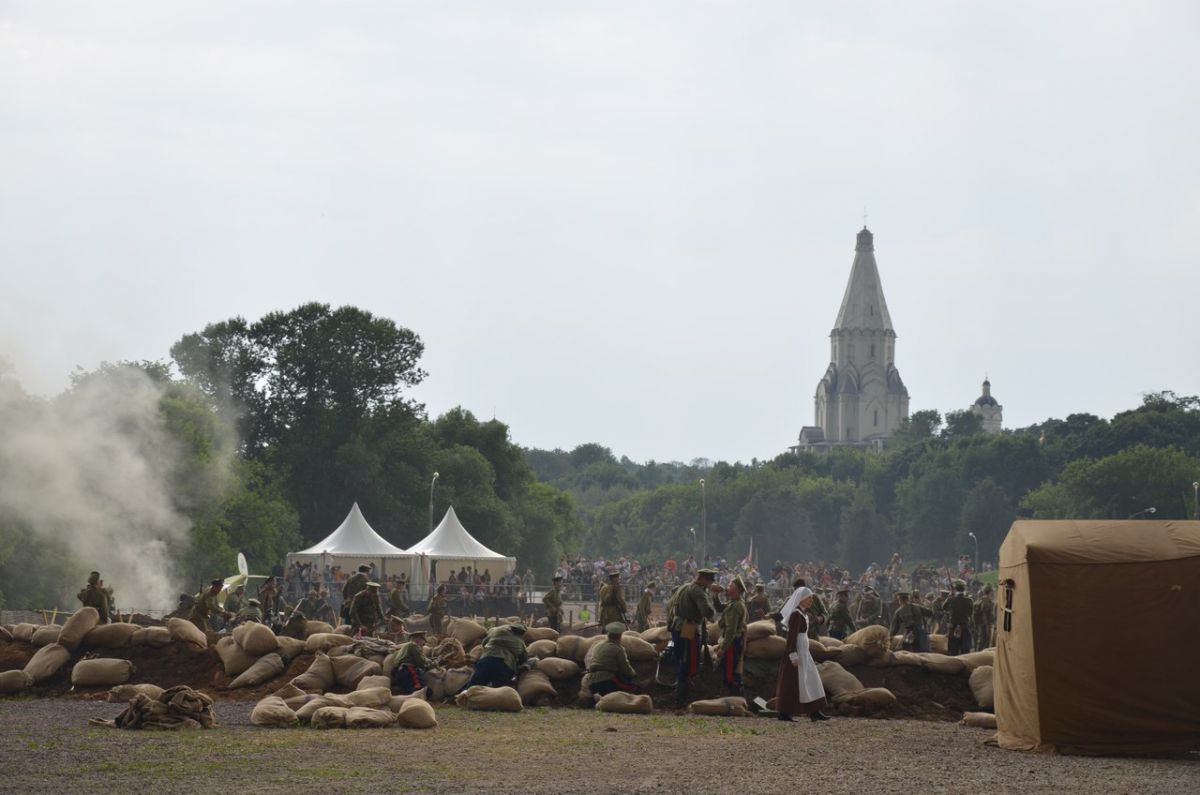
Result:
748,561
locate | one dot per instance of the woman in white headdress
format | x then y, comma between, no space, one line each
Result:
799,691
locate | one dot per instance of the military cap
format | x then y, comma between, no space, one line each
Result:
758,586
557,578
614,628
614,573
987,589
959,585
364,568
902,594
652,584
739,582
868,589
417,633
93,578
843,591
217,581
372,585
944,592
517,629
709,573
253,602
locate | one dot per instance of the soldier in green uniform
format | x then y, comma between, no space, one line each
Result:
645,605
909,620
609,670
437,610
296,625
234,601
93,595
409,664
398,602
314,605
958,619
868,608
366,613
693,606
820,617
939,612
352,587
504,653
984,615
250,612
841,623
205,606
554,605
759,605
268,596
733,623
612,601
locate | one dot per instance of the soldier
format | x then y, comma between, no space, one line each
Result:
759,605
984,615
733,623
314,605
93,595
612,600
366,613
353,586
909,620
250,612
504,653
437,610
397,602
868,608
297,625
205,606
268,596
939,611
554,604
841,623
409,665
645,605
692,608
233,602
609,670
958,619
819,614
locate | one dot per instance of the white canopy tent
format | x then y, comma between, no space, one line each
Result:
354,543
452,547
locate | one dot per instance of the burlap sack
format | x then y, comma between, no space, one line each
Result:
897,643
101,672
369,718
909,658
267,667
885,660
395,702
939,644
186,632
625,704
375,680
831,643
5,634
979,720
343,629
851,654
942,663
373,697
289,691
24,631
732,706
305,711
319,677
771,647
109,636
570,647
46,661
435,683
290,648
329,718
44,636
543,648
317,628
981,687
234,659
324,641
873,639
977,659
255,639
78,625
154,637
870,699
416,714
657,636
493,699
837,681
456,679
636,649
475,654
273,712
14,682
123,693
534,634
465,631
759,629
535,688
349,670
558,669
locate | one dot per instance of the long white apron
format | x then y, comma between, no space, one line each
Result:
811,688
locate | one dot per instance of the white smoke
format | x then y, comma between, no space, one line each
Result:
92,469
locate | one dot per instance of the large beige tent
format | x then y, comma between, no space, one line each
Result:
354,543
451,547
1096,637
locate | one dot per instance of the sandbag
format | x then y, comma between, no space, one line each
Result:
416,714
317,628
375,680
942,663
154,637
570,647
324,641
329,718
534,634
46,661
871,698
981,687
369,718
885,660
267,667
343,629
760,629
456,679
638,650
24,631
123,693
109,636
837,681
255,639
535,688
852,654
731,706
14,682
874,640
977,659
186,632
274,713
494,699
101,672
831,643
319,677
290,648
771,647
5,634
465,631
658,636
349,670
79,624
979,720
289,691
910,658
435,683
939,644
305,711
447,654
558,669
543,648
475,654
371,697
625,704
44,636
712,633
234,659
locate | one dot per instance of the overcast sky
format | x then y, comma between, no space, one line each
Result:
622,223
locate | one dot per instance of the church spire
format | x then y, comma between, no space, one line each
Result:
863,306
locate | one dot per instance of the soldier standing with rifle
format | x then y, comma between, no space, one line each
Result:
759,605
693,607
93,595
366,612
958,611
612,601
644,606
353,586
984,615
554,604
841,623
733,623
909,620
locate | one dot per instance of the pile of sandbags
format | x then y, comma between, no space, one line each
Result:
44,636
416,714
543,648
369,718
76,627
177,708
977,659
349,670
942,663
939,644
14,682
447,654
636,649
255,639
24,631
101,672
874,640
534,634
154,637
981,687
572,647
266,667
317,628
845,690
444,682
324,641
494,699
465,631
535,688
731,706
319,677
558,669
767,647
759,629
657,637
47,661
109,636
273,712
625,703
185,631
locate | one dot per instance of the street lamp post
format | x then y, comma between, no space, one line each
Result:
692,530
1196,499
432,483
1151,510
703,524
976,540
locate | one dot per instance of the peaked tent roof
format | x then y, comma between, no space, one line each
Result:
451,540
354,537
863,306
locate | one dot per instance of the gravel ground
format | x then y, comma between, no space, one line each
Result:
47,747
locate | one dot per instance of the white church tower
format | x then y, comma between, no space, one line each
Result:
991,413
862,399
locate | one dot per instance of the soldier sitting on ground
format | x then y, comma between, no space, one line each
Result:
610,670
409,665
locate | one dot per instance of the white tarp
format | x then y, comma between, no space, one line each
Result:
452,547
353,543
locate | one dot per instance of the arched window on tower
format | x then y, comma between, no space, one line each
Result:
872,350
876,418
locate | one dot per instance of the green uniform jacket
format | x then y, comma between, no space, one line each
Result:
91,596
365,611
250,613
817,609
759,607
553,602
733,622
958,607
408,654
203,609
233,603
356,583
315,607
840,619
643,611
500,642
397,604
612,604
909,615
437,605
868,610
610,660
692,606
